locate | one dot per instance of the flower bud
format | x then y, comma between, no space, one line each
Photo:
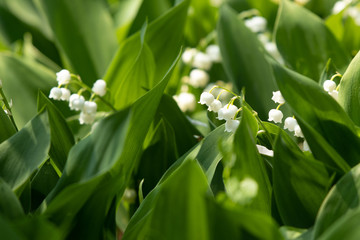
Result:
298,132
275,115
55,93
215,106
213,51
99,87
202,61
290,124
278,98
63,77
65,94
76,102
206,98
198,78
231,125
90,107
329,85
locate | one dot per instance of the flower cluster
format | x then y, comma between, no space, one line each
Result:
290,123
76,101
330,86
227,112
348,9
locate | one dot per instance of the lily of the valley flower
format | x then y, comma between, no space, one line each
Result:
202,61
76,102
215,106
55,93
278,98
198,78
227,113
231,125
99,87
275,115
290,124
329,85
65,94
186,101
188,55
63,77
213,51
206,98
256,24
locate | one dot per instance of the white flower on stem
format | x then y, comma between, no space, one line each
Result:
290,124
99,87
76,102
256,24
186,101
65,94
198,78
329,85
89,107
298,132
63,77
215,106
334,94
188,55
226,113
231,125
275,115
206,98
55,93
202,61
86,118
213,51
264,151
278,98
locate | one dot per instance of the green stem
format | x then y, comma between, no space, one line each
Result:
8,108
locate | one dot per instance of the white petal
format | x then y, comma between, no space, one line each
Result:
290,124
275,115
264,151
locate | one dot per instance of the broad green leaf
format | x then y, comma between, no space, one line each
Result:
7,129
331,134
22,80
321,7
61,137
248,162
8,231
305,42
108,158
340,207
300,183
244,61
10,207
85,33
349,90
24,152
129,66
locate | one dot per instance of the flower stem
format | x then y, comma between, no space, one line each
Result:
8,108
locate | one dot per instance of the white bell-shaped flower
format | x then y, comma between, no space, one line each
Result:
63,77
278,98
188,55
306,147
198,78
65,94
213,51
290,124
206,98
256,24
55,93
339,6
186,101
231,125
334,94
275,115
89,107
298,132
99,87
265,151
76,102
86,118
202,61
215,106
226,113
329,85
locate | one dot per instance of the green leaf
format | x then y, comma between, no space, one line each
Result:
322,8
300,183
331,134
249,163
22,80
340,208
7,129
85,33
244,61
62,138
108,158
24,152
134,63
10,207
305,42
349,90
